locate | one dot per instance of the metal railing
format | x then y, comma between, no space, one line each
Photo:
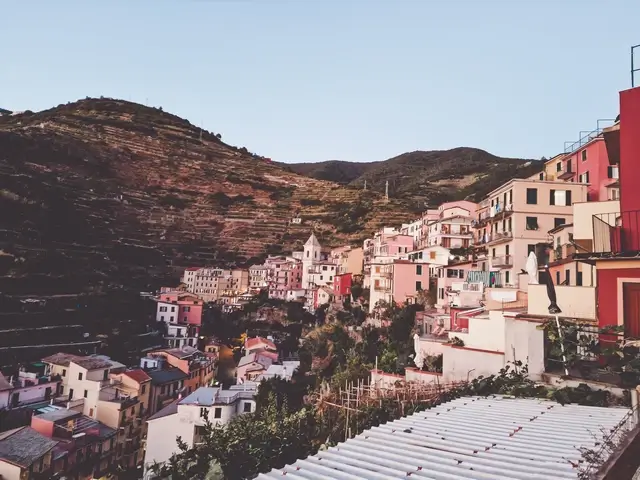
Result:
502,261
617,232
585,136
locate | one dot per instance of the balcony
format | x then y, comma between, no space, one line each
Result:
566,174
382,288
616,234
500,237
386,274
504,261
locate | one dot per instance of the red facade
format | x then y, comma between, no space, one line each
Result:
590,164
342,285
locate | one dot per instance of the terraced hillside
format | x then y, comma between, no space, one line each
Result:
426,177
102,194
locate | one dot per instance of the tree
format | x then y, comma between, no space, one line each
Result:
249,444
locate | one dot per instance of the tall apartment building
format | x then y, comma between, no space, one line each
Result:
181,312
397,281
518,215
211,283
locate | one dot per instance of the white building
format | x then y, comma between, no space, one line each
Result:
186,419
312,254
258,277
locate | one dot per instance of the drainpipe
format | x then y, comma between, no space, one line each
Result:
634,404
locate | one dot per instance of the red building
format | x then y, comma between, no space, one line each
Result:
616,241
590,164
342,286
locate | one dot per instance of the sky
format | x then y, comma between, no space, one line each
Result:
314,80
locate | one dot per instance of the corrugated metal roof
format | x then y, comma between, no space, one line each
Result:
493,438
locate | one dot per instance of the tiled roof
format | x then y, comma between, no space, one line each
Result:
257,341
24,446
137,375
58,414
468,438
61,359
159,377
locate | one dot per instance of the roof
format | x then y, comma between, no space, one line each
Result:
181,353
23,446
251,343
137,375
170,409
4,384
61,359
192,269
58,414
468,438
560,227
263,360
91,363
209,396
159,377
312,242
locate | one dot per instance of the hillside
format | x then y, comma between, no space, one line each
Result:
426,177
105,193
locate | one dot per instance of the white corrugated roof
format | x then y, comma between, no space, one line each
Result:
493,438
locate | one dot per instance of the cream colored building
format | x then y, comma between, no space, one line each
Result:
515,217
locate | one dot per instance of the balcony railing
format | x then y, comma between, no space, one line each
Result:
617,233
382,288
500,236
502,261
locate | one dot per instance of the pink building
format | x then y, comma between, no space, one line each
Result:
398,281
181,312
283,275
179,307
587,164
253,365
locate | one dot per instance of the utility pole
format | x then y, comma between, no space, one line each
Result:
365,185
386,191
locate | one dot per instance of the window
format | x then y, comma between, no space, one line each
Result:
567,199
91,412
105,375
532,223
493,252
558,221
584,155
584,178
579,279
432,255
567,276
532,196
441,293
173,309
612,172
80,376
510,196
559,167
203,412
541,176
246,408
558,277
531,249
418,269
507,274
64,372
418,286
163,309
86,393
217,412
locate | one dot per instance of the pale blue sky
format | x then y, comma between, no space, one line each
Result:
310,80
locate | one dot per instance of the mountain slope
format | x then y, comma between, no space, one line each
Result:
426,177
106,193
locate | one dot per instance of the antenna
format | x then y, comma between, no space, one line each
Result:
633,68
386,191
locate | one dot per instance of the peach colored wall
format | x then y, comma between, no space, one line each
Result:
405,277
45,427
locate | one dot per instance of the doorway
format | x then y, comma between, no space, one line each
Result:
631,305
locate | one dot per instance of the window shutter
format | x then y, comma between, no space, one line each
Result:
552,197
568,198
